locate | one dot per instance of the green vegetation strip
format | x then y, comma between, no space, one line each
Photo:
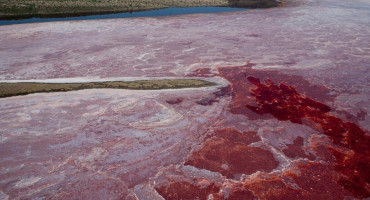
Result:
22,88
10,9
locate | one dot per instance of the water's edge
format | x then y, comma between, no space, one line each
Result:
111,15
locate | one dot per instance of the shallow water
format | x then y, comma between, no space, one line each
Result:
149,13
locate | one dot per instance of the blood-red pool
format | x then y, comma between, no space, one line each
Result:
232,158
339,166
285,103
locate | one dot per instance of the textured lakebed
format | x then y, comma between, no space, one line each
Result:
288,120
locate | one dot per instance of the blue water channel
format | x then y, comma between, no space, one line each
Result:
149,13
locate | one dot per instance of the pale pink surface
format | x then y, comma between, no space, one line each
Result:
114,144
118,137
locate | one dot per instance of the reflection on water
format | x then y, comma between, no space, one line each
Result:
149,13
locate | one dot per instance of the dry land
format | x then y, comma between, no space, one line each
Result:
16,89
55,8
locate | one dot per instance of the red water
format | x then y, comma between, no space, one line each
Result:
285,103
229,154
345,171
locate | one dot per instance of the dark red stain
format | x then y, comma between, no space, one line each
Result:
181,190
304,181
236,136
289,101
285,103
174,101
241,95
319,144
295,150
185,190
232,157
273,188
345,151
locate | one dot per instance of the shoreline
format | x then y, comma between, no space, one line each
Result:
39,11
